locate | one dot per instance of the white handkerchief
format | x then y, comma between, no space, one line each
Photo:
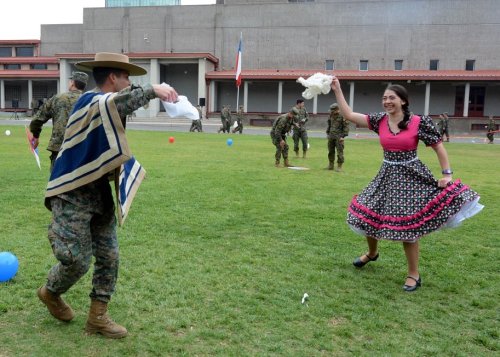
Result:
181,108
318,83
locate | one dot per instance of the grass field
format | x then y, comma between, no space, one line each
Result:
220,246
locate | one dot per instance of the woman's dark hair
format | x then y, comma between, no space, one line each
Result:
403,95
101,73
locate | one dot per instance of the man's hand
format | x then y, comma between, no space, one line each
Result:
341,140
165,93
444,181
282,144
35,142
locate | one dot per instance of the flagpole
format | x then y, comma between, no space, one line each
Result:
238,73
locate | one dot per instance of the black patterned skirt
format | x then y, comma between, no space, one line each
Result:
403,202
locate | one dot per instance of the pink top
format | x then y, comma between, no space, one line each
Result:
419,128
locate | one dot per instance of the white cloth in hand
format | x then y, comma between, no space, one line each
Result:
318,83
181,108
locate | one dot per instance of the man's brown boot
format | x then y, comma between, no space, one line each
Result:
287,164
56,306
296,153
304,154
100,322
277,163
330,166
339,168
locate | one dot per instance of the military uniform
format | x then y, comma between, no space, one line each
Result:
196,124
225,118
337,130
443,127
239,121
300,131
490,128
58,108
84,223
281,127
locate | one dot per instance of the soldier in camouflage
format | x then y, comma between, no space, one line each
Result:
281,127
443,126
299,128
196,124
239,121
83,220
338,129
58,108
491,128
225,118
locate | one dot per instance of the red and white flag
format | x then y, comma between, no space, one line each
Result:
238,64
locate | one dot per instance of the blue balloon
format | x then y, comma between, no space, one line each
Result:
8,266
229,142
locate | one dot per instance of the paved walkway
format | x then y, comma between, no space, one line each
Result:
163,123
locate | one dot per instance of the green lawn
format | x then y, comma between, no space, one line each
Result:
220,246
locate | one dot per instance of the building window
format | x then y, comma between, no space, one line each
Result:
329,65
5,52
398,65
38,66
12,66
363,65
434,65
24,51
470,65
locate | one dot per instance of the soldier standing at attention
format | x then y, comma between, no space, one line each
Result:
225,118
239,121
281,127
299,128
58,108
338,129
83,213
491,127
443,126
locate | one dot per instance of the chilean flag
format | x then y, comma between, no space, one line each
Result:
238,64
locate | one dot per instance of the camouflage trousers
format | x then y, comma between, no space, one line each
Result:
77,234
280,151
299,135
239,128
335,143
196,125
490,137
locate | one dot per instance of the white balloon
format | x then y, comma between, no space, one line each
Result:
7,132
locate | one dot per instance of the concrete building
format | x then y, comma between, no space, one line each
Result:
443,51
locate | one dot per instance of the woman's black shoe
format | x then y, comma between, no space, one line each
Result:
359,263
411,288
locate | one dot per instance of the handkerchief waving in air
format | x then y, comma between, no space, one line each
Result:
318,83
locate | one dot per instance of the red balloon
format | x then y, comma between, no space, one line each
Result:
171,140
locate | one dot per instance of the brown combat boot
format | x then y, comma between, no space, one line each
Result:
339,168
277,163
287,164
296,153
304,154
100,322
56,306
330,166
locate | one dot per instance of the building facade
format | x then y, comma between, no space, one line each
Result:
443,51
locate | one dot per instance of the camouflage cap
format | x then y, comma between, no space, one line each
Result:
80,77
334,106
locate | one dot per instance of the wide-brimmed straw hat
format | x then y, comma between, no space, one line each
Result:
111,60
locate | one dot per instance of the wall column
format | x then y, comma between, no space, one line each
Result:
202,87
2,93
154,77
427,97
245,97
211,97
351,95
466,99
30,93
64,74
315,104
280,96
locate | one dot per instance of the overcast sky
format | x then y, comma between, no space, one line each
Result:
21,19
